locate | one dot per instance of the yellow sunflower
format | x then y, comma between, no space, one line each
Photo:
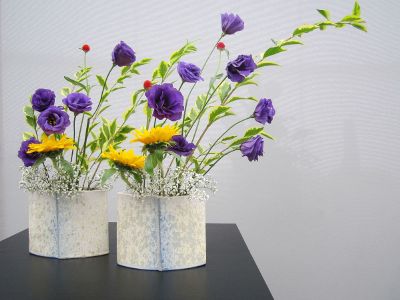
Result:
155,135
125,157
50,143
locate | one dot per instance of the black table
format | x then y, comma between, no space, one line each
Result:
230,273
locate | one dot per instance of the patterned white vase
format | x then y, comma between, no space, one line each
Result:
63,226
161,233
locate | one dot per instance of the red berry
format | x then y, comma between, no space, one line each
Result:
147,84
220,46
85,48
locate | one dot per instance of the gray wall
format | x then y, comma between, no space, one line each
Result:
320,212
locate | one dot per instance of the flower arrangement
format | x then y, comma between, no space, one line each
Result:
173,158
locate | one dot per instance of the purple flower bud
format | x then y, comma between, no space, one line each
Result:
166,101
42,99
264,111
240,68
253,148
181,146
189,72
78,102
123,55
53,120
231,23
28,159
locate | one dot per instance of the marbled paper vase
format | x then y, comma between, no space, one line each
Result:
62,226
161,233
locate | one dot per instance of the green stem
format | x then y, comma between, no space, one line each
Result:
218,139
106,146
126,180
190,92
73,137
94,114
79,138
233,150
205,105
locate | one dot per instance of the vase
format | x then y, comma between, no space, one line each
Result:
161,233
63,226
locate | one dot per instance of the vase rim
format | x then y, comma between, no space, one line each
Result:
78,192
152,196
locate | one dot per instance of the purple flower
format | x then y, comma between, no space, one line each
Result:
264,111
78,102
42,99
166,101
28,159
123,55
189,72
53,120
241,67
253,148
181,146
231,23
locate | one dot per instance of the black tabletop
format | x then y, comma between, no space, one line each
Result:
230,273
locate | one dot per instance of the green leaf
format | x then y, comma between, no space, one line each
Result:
273,50
119,138
228,138
359,26
291,42
193,114
122,78
266,63
219,112
238,141
186,49
28,111
27,135
126,129
356,9
155,74
253,131
217,156
66,166
74,82
263,133
30,121
127,113
113,127
139,63
304,29
39,161
224,90
351,18
151,162
107,174
236,98
65,91
125,70
324,13
138,177
163,68
103,109
200,102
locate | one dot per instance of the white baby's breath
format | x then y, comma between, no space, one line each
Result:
46,180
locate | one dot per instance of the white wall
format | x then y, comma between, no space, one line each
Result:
320,212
